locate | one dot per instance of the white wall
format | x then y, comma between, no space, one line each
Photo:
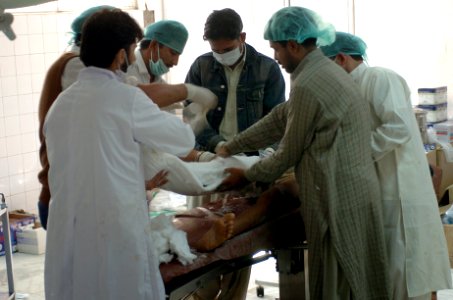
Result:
193,14
41,38
414,38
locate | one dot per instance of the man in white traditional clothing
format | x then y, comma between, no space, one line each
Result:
414,235
98,241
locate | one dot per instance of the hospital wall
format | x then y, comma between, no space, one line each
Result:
41,38
408,36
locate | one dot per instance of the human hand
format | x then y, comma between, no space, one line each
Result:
194,116
203,96
222,151
158,180
235,180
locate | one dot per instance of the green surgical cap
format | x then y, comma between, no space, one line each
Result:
298,24
345,43
77,24
169,33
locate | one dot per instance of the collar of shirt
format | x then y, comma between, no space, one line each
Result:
97,72
140,63
357,73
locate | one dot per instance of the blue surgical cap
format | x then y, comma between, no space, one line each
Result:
169,33
345,43
298,24
77,24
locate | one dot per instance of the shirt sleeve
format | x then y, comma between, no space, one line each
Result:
160,130
284,122
391,105
71,72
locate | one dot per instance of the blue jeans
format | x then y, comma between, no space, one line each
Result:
43,214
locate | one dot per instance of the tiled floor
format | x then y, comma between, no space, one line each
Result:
29,284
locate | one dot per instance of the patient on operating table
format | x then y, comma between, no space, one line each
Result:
209,226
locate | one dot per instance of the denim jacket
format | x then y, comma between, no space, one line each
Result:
261,87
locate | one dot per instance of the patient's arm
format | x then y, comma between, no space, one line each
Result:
210,226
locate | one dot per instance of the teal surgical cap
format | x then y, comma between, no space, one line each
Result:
298,24
77,24
345,43
169,33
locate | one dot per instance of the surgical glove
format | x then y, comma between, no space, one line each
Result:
201,95
132,80
205,156
266,152
194,116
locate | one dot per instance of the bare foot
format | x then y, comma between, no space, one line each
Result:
220,231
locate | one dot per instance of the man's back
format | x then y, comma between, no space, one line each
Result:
405,184
336,174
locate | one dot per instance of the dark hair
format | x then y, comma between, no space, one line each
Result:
223,24
309,42
104,34
144,44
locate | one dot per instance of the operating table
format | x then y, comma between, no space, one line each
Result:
281,237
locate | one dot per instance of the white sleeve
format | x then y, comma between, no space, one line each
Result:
390,103
160,130
71,72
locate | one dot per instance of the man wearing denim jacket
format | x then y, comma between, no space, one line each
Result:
247,83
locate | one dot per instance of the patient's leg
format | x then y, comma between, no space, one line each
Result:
205,229
208,227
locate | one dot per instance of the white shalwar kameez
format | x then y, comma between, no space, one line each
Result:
98,244
414,235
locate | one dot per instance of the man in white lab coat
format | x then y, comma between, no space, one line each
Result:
414,236
98,242
64,72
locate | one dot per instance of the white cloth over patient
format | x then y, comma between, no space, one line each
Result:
192,178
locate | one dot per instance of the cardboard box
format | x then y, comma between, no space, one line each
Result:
435,113
31,240
17,219
448,229
432,95
444,131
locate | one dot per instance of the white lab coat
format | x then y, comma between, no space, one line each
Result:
72,69
98,244
414,235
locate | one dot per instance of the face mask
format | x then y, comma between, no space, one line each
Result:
158,68
228,58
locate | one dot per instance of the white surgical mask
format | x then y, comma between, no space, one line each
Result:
158,68
228,58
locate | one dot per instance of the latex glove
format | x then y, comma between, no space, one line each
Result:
205,156
266,152
194,116
132,80
207,99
